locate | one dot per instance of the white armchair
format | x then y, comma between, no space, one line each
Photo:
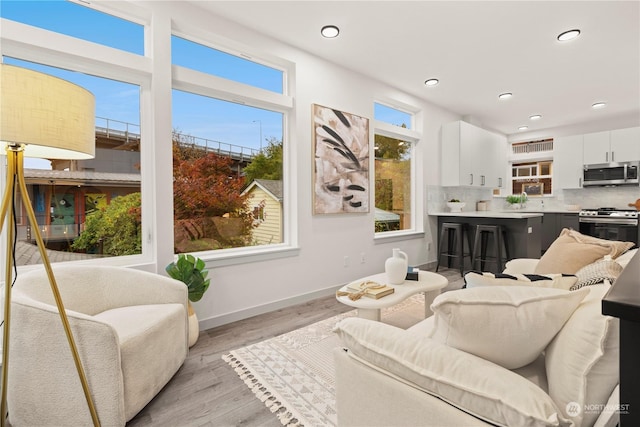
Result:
130,328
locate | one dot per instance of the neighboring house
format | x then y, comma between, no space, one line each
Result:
266,201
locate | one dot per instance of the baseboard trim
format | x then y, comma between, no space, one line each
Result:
235,316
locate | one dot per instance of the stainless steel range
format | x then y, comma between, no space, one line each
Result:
611,224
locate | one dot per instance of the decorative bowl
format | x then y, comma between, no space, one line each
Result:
456,206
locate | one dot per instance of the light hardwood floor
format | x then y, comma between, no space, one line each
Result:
206,391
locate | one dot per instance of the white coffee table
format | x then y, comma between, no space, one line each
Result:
368,308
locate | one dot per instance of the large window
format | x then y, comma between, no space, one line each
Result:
88,208
227,155
394,171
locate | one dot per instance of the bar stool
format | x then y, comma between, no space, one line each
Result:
497,234
453,235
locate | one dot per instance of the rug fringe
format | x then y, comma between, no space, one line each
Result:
272,403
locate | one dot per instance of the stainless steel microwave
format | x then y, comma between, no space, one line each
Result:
621,173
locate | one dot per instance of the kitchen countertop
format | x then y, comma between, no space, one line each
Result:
490,214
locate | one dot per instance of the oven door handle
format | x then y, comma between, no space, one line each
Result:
613,221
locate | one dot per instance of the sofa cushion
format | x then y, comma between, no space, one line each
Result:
508,325
624,259
582,361
472,384
572,250
474,279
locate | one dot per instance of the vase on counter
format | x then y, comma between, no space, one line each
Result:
396,267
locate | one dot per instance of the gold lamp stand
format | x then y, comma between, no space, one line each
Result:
15,175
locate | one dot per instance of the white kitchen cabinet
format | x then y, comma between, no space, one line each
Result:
567,162
625,144
618,145
472,156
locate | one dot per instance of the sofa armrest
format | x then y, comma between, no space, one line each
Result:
474,385
521,266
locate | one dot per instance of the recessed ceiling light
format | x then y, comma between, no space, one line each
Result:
431,82
523,128
535,117
330,31
568,35
599,105
505,95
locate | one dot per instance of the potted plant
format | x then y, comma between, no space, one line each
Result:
517,201
455,205
191,271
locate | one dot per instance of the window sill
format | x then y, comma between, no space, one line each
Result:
397,236
247,255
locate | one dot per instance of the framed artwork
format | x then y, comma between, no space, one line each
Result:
341,162
533,188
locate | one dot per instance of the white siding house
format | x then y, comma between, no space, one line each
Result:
266,201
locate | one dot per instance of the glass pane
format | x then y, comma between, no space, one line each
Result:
392,116
545,168
227,170
524,172
88,208
208,60
392,184
77,21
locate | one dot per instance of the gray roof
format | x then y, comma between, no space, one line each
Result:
271,186
82,177
385,216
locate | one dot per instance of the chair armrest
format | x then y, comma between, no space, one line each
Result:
46,366
521,266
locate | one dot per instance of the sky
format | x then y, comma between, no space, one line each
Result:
195,115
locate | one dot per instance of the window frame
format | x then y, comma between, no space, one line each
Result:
413,137
37,45
200,83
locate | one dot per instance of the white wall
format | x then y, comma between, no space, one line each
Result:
239,291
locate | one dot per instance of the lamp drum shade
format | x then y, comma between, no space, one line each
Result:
50,117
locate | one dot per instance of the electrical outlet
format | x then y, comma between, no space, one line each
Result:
362,259
346,261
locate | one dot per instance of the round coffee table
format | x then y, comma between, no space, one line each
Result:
430,284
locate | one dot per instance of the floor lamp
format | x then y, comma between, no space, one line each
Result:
46,117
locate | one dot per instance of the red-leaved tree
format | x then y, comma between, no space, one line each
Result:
209,210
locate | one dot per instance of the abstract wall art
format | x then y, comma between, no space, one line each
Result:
341,162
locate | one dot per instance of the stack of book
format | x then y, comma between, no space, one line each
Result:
369,289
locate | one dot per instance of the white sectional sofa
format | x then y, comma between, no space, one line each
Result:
386,376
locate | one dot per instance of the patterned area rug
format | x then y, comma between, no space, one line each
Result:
293,373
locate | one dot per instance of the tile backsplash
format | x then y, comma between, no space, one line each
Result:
592,197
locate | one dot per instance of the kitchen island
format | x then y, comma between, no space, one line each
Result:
524,229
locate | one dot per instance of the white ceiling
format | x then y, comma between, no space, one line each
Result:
477,49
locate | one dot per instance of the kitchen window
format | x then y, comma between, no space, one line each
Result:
532,175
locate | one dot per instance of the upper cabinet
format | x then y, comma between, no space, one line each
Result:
618,145
472,156
567,162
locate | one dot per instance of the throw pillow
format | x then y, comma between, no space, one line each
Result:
582,361
597,272
476,386
560,281
508,325
572,250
